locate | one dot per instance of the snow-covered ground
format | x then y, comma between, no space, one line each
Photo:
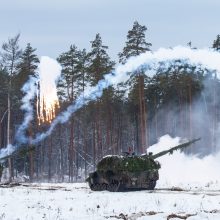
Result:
77,201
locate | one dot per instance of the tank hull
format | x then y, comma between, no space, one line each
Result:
123,181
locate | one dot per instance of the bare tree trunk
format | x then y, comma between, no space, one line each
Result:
190,110
181,115
109,127
85,150
137,128
43,154
1,170
31,166
50,159
156,119
98,126
94,145
76,152
71,155
142,114
31,158
37,165
1,116
215,117
9,133
145,131
121,117
61,155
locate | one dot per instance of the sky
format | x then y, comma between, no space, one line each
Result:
52,26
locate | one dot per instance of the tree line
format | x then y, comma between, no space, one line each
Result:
180,100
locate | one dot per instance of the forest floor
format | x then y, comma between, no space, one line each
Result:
76,201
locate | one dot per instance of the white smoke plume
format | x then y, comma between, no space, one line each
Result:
207,58
149,62
184,170
29,88
49,70
204,58
7,151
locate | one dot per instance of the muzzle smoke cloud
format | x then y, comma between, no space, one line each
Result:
149,62
189,171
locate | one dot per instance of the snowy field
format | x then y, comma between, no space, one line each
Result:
77,201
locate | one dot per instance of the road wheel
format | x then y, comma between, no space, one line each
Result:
103,186
114,186
152,184
95,187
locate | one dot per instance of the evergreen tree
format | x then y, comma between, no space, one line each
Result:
136,42
135,45
3,90
72,82
10,58
69,61
11,55
29,61
26,67
99,60
3,106
216,43
99,64
82,68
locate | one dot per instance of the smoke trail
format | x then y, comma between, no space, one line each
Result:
90,94
207,58
7,151
29,88
149,62
49,70
204,58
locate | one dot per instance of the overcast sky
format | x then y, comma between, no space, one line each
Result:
52,26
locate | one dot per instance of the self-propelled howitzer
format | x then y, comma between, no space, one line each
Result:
130,172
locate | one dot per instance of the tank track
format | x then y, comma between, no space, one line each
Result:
113,187
117,187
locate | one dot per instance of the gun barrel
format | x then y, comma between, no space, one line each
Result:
180,146
20,153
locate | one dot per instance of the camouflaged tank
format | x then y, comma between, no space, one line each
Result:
123,173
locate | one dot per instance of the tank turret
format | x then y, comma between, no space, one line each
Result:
130,172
